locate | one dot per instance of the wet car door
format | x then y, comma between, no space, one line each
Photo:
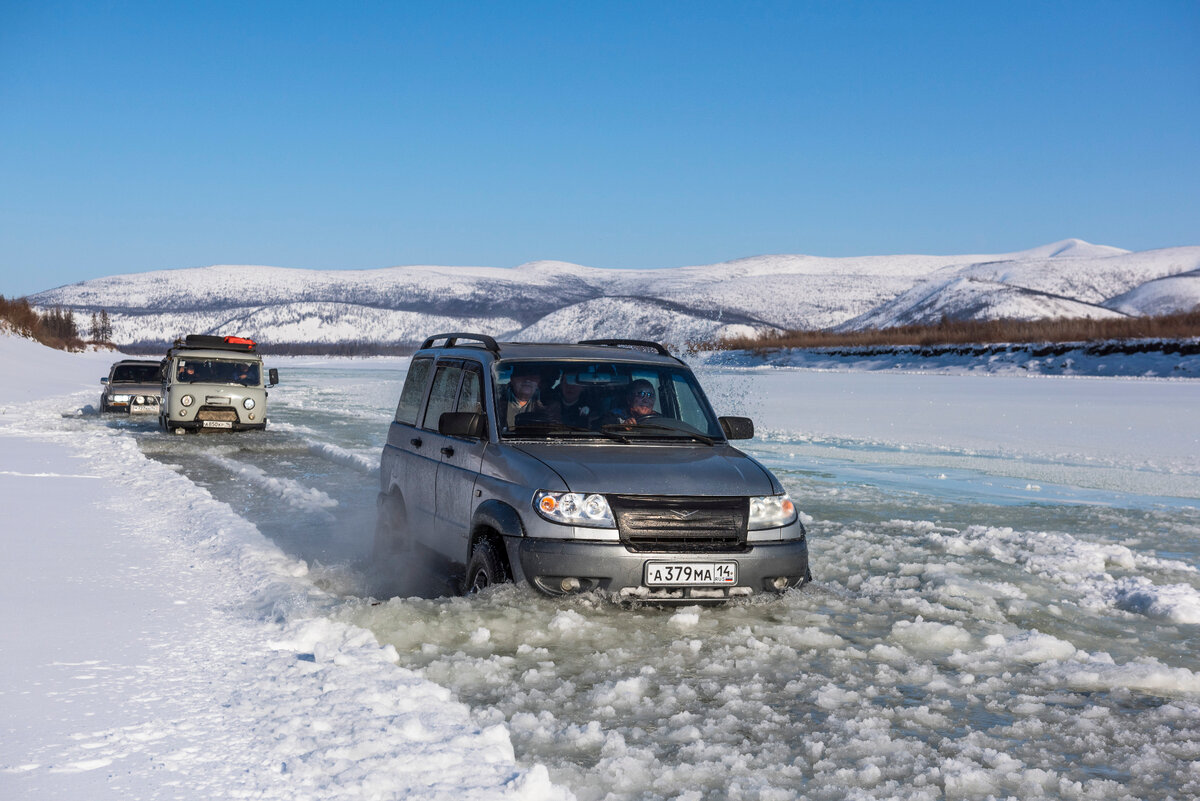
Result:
428,443
461,459
406,464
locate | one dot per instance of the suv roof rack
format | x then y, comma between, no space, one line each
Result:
628,343
488,342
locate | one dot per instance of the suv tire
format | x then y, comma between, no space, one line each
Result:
485,568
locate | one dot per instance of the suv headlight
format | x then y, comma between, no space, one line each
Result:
771,511
120,398
574,509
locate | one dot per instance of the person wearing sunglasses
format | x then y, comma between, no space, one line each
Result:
639,405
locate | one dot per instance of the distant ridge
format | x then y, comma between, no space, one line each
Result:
552,300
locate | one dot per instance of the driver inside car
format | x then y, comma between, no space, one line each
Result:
639,405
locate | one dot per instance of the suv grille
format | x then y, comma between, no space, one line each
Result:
657,524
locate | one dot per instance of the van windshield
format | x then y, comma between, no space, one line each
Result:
218,371
586,398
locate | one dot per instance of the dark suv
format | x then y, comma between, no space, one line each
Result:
598,466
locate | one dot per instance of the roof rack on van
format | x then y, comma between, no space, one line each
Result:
628,343
216,343
488,342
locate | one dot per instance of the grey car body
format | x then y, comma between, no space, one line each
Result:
133,386
666,510
212,383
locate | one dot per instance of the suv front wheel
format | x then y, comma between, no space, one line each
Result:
485,568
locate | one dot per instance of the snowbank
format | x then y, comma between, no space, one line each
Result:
157,645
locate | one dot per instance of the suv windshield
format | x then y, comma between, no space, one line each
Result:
135,374
592,398
217,371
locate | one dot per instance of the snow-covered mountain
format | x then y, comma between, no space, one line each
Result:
549,300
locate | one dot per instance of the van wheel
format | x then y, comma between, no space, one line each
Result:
485,568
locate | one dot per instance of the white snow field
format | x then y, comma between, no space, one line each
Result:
1006,604
156,645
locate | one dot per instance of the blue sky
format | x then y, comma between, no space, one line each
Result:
140,136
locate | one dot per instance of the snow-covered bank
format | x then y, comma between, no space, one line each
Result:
156,645
1140,358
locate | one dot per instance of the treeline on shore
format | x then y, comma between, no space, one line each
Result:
1185,325
54,328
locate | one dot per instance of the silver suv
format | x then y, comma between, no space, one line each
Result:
598,466
133,386
212,383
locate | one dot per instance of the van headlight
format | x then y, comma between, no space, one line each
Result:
186,400
574,509
248,403
771,511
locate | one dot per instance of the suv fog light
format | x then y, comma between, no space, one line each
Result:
570,584
780,583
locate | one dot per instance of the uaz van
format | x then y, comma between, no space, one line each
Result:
597,466
212,383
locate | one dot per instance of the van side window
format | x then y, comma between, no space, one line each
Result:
444,393
414,391
470,397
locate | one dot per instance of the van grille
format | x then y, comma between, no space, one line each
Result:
209,413
658,524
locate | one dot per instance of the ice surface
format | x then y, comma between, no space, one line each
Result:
1004,607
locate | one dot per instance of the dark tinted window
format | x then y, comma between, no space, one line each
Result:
414,391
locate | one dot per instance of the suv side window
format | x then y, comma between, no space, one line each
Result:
470,397
444,394
414,391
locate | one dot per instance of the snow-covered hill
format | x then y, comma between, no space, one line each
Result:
549,300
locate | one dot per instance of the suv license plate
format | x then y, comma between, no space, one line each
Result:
690,574
217,424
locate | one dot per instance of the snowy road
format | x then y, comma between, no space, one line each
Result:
1003,606
1006,604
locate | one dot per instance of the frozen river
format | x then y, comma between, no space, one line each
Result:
1006,599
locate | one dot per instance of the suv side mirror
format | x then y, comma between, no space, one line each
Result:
737,427
104,380
273,376
467,425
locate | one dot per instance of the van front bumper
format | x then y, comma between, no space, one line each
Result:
558,567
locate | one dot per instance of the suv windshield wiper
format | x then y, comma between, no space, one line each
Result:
633,431
563,428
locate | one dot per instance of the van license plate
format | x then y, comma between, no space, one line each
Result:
690,574
217,424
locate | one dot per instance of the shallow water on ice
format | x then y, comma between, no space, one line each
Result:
981,624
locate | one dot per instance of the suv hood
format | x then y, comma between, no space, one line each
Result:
654,469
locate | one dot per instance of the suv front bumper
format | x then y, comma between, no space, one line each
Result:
550,565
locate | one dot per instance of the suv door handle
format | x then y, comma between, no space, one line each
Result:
448,450
415,442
